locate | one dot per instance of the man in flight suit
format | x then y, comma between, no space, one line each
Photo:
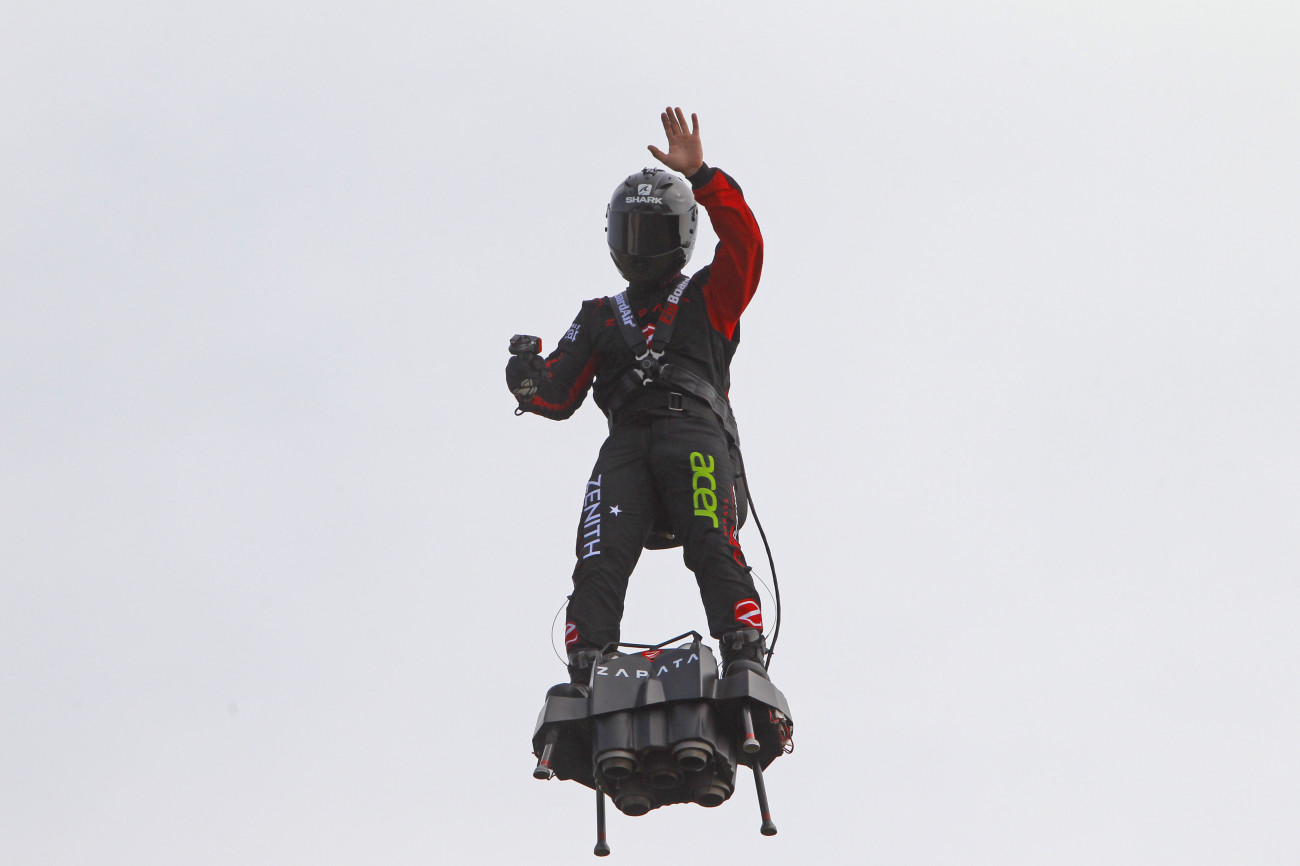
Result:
657,357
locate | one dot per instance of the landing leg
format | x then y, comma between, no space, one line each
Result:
543,769
602,847
768,828
750,745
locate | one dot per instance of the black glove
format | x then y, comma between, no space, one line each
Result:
524,374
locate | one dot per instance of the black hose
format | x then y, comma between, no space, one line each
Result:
776,584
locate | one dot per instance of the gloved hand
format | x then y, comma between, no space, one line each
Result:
524,374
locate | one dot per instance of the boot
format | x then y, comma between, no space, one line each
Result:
580,664
578,686
743,647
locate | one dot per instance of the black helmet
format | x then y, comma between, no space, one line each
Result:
651,225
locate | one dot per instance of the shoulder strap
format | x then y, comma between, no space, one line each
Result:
633,335
647,355
627,324
664,327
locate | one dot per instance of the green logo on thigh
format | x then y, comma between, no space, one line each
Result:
704,498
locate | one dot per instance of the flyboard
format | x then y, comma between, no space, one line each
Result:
659,726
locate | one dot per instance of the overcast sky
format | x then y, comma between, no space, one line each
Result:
279,567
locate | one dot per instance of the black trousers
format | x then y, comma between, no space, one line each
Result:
678,467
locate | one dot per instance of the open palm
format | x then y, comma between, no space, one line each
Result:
685,152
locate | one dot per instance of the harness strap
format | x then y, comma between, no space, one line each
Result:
627,326
697,386
664,327
647,355
649,370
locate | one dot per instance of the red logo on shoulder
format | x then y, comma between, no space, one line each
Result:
570,634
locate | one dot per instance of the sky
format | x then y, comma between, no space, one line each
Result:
280,569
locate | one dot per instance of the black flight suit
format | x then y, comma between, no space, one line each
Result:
667,455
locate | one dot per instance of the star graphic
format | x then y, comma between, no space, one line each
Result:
614,510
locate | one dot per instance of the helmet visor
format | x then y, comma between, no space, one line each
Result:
644,234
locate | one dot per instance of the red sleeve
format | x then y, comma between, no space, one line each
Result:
567,374
738,260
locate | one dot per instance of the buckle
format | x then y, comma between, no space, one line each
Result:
675,401
647,366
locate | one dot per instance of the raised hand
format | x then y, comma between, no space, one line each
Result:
685,153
